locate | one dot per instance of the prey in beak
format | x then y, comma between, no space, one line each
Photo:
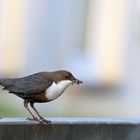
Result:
76,81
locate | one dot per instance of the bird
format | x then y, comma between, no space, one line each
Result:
40,87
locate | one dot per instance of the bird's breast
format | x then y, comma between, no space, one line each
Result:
55,90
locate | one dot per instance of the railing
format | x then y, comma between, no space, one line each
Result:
70,129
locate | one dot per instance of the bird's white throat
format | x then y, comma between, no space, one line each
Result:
55,90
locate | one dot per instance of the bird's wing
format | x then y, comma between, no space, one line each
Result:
32,84
7,82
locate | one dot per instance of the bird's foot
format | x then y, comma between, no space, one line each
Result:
32,119
41,120
44,121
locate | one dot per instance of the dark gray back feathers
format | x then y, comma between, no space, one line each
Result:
32,84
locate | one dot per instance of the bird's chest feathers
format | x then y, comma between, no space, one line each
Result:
56,90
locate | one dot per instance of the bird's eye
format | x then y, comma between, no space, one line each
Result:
66,77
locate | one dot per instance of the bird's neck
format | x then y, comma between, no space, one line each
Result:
55,90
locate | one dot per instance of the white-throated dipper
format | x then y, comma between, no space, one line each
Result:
38,88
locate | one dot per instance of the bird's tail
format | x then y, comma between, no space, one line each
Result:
6,82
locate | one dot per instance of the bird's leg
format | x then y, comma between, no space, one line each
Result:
41,119
26,106
32,105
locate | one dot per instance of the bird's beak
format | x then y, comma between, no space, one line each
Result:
76,81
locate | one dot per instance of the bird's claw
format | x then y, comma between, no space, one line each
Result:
44,121
32,119
41,121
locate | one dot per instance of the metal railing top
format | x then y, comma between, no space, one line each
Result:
73,121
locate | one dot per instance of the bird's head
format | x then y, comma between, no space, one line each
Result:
66,75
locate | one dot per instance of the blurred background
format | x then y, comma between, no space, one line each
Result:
97,40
